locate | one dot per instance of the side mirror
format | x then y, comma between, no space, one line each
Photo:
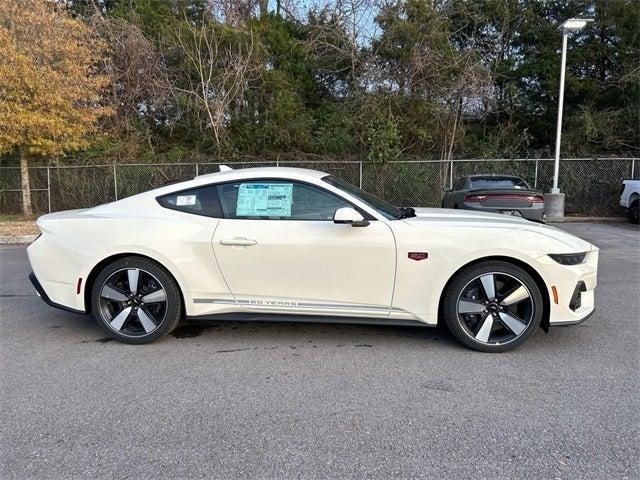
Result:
347,215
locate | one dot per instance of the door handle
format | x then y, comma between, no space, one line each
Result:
238,242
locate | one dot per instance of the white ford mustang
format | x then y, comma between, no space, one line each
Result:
295,244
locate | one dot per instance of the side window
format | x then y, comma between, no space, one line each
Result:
278,200
200,201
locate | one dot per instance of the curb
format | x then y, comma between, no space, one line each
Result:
17,239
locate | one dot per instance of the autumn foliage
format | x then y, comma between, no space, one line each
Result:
49,86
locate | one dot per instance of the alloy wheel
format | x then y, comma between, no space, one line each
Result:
133,302
495,308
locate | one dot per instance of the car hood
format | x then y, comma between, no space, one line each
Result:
473,219
466,215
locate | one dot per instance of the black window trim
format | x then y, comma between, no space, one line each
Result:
366,215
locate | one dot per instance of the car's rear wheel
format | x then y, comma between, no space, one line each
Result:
493,306
634,211
135,300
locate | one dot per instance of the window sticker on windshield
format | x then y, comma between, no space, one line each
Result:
264,200
185,200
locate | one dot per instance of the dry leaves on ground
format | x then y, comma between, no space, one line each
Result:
22,227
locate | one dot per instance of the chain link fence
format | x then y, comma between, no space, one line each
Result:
592,185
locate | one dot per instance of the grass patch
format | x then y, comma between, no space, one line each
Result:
16,218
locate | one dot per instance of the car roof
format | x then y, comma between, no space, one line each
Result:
146,199
301,174
258,172
492,175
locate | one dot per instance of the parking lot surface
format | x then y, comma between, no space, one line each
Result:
284,400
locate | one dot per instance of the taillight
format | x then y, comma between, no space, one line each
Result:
504,196
474,198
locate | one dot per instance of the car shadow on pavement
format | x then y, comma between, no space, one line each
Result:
341,332
57,325
222,333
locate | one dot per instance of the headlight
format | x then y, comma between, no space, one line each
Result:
569,258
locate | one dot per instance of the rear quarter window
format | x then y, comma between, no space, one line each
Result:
199,201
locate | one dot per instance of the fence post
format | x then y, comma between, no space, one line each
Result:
535,176
115,182
633,167
451,173
360,165
196,169
49,189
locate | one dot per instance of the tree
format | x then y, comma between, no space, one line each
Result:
140,89
375,79
220,60
520,40
432,85
49,91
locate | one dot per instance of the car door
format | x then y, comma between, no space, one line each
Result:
279,249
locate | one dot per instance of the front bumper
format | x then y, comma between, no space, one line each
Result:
573,286
573,322
42,294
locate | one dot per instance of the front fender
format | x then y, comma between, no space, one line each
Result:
419,284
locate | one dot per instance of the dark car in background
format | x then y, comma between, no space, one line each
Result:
497,194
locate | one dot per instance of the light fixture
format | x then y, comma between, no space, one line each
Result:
575,24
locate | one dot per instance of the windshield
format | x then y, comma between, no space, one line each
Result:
384,208
498,182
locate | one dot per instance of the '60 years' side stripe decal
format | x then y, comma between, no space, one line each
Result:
293,304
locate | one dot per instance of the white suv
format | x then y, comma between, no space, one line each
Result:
630,199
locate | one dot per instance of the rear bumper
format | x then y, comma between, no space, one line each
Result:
57,269
42,294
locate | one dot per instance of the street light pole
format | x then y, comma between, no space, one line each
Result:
554,201
563,66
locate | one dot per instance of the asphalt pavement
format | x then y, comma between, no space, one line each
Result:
284,400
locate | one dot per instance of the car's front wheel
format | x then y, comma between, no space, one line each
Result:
135,300
493,306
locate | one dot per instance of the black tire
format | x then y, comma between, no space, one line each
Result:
165,314
634,211
466,326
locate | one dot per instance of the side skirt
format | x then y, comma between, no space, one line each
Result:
285,317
